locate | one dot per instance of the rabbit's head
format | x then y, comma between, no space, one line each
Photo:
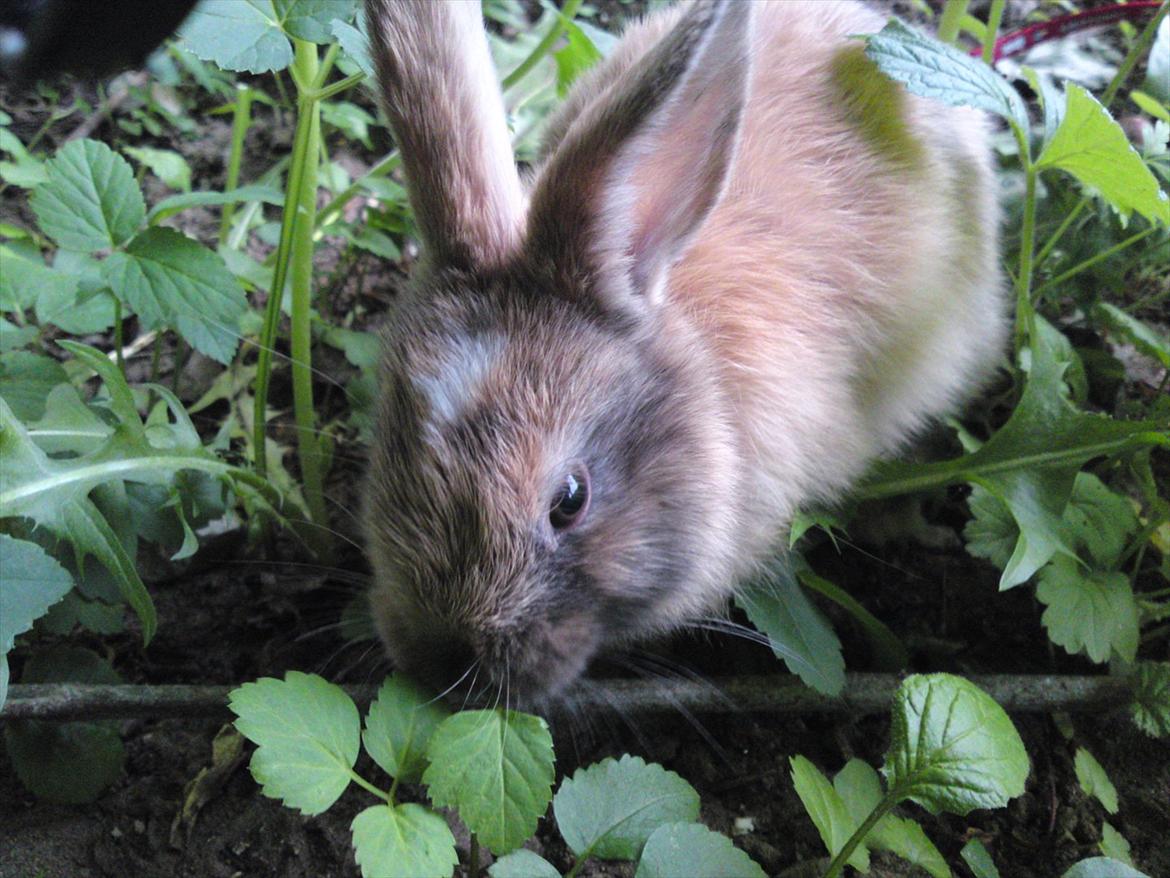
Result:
554,469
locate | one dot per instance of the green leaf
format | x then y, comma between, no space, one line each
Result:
935,70
859,788
576,56
24,281
26,379
799,634
13,336
166,164
403,841
1031,463
68,762
978,860
355,43
692,849
523,864
1092,147
992,532
496,768
311,19
237,35
609,809
1102,867
1094,780
1151,698
1089,611
171,280
1115,845
399,725
91,201
68,425
829,812
1157,81
73,610
952,747
176,203
307,735
1141,335
31,581
1099,519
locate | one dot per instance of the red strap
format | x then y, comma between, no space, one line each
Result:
1019,41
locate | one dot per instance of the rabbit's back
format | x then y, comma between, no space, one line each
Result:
847,280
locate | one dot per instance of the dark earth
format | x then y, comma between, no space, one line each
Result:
238,611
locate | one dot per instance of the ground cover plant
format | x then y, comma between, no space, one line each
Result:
123,272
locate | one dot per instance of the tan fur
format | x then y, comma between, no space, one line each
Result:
737,287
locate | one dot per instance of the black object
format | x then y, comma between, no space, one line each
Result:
91,37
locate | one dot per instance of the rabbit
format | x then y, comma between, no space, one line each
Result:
745,265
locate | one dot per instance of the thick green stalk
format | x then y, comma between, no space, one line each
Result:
951,20
994,18
241,121
308,440
884,807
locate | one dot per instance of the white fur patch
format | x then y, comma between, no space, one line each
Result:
459,378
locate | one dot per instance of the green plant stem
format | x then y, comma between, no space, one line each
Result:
1025,316
889,652
951,20
155,359
994,18
1138,544
883,808
1136,52
301,255
1093,260
473,857
567,13
370,788
323,94
118,339
1054,239
241,121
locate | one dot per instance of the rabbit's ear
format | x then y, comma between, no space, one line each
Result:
639,171
440,93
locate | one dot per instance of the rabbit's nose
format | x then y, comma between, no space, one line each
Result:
448,665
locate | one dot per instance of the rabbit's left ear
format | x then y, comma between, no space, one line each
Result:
439,89
641,169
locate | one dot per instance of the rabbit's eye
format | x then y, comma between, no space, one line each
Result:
571,499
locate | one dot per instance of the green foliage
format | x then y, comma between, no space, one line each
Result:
523,864
596,822
496,768
693,849
1095,614
978,860
399,726
33,582
1094,780
403,841
1102,867
1151,698
307,735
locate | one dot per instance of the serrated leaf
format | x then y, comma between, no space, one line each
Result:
992,532
935,70
166,164
692,849
1139,334
609,809
828,811
1090,145
1099,519
310,19
1089,611
523,864
496,769
860,789
68,762
403,841
1094,780
26,379
72,610
31,581
237,35
1151,698
1115,845
1031,463
399,725
24,281
952,747
1102,867
576,56
978,860
798,632
90,201
355,43
307,734
171,280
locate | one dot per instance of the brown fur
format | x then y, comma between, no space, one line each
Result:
734,286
